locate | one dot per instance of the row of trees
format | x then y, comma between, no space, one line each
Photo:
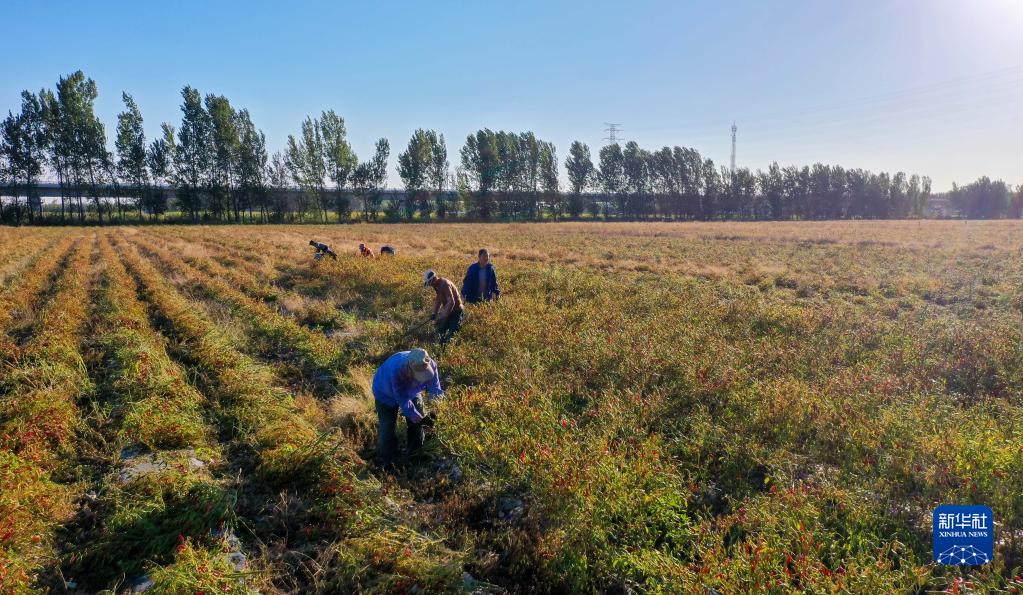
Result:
986,199
217,165
678,183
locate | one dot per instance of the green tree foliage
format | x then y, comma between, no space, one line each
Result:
252,166
414,169
131,152
22,142
503,172
226,144
549,183
438,173
78,140
581,175
278,176
194,156
369,179
378,166
481,166
306,161
1016,203
612,175
160,160
339,157
983,199
217,164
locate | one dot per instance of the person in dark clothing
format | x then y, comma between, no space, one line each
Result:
480,283
387,250
322,249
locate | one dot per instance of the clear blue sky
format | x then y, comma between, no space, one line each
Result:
925,86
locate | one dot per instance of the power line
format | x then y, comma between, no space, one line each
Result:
1005,80
612,131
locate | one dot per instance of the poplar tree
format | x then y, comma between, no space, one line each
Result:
193,157
579,166
225,144
305,161
438,172
160,160
131,151
414,169
251,165
340,159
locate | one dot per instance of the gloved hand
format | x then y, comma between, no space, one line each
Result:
430,419
415,418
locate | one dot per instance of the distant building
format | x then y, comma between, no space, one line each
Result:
941,208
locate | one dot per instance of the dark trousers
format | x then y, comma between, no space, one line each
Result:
449,326
387,432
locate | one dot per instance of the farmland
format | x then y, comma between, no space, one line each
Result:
650,407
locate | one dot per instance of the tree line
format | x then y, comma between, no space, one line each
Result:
217,164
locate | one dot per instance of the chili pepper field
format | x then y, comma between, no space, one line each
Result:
650,407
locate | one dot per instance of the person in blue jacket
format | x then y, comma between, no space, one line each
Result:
480,283
397,385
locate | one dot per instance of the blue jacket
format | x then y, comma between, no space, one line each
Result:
471,284
393,385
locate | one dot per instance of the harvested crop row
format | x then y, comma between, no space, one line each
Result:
253,280
344,503
253,261
20,256
19,298
156,406
313,351
162,473
38,422
246,281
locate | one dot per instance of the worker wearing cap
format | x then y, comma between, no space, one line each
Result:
447,308
397,385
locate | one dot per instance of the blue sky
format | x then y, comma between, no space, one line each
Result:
924,86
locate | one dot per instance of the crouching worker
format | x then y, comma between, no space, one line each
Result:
397,386
322,249
366,251
447,308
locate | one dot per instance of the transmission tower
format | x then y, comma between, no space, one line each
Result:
734,130
612,131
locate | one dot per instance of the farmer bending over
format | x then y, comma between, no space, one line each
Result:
397,385
366,251
322,249
480,283
447,308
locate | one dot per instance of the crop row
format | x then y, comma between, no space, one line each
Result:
281,336
158,508
19,298
233,260
291,454
256,281
39,420
18,256
229,253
